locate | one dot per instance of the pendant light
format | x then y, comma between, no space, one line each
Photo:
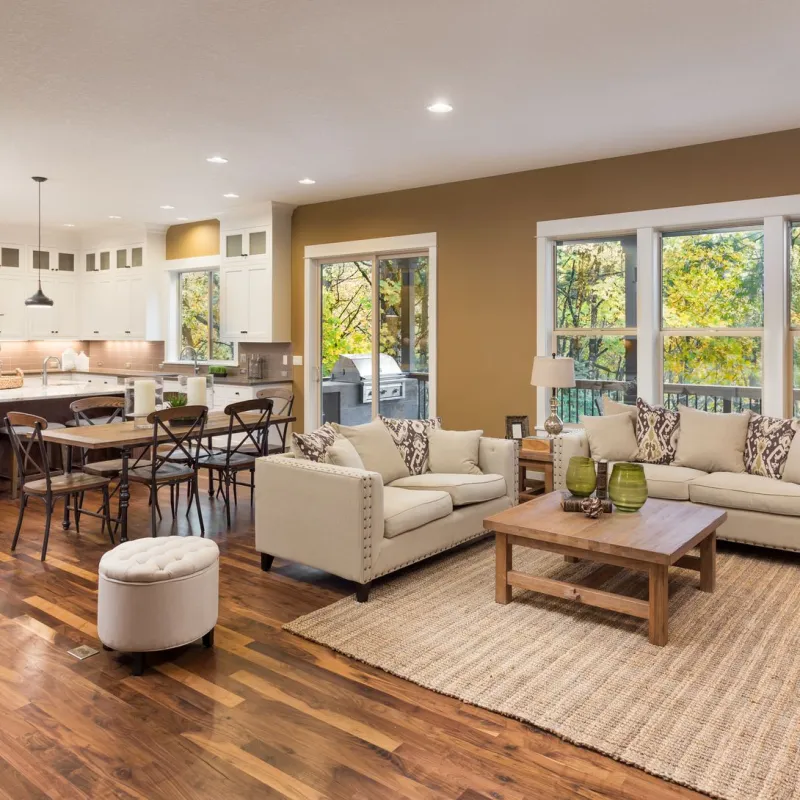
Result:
39,299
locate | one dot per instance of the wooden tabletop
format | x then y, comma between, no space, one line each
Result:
123,434
659,533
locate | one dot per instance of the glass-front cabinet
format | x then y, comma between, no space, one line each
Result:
129,257
11,258
246,243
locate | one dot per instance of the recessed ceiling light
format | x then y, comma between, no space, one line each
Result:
440,107
183,219
167,208
230,194
217,160
113,216
69,224
307,181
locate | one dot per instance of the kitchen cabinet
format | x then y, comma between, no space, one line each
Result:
12,308
97,297
53,260
12,259
246,306
245,243
59,321
129,257
129,308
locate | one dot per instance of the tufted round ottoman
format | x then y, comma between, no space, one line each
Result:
155,594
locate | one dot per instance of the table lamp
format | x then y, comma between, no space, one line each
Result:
557,373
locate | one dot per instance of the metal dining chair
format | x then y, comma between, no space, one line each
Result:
240,453
175,461
36,479
282,403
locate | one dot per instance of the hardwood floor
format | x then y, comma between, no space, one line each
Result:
263,714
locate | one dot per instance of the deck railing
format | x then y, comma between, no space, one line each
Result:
585,397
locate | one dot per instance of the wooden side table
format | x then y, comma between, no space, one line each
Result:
539,461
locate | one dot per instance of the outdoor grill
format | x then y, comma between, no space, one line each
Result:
347,394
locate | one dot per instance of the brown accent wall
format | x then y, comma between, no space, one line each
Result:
486,237
193,239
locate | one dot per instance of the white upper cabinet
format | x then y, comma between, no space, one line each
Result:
12,259
59,321
129,257
50,259
255,275
12,308
129,308
237,246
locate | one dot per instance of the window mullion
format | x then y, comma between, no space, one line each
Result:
648,316
775,350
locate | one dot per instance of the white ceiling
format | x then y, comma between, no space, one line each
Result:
120,102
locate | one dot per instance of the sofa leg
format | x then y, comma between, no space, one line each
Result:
208,639
362,591
138,663
266,562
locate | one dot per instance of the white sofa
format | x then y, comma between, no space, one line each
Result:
345,521
761,511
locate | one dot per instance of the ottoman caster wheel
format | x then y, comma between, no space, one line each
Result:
208,639
138,663
106,647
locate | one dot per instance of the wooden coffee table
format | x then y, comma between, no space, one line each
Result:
651,540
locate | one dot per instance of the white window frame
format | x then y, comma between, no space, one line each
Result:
775,214
314,255
177,268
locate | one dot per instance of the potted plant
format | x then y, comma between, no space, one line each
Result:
178,400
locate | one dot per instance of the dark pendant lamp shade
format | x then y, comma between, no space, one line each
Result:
39,299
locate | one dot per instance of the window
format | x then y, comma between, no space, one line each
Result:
198,316
595,321
713,317
794,308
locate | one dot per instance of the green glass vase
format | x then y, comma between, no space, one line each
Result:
581,476
627,487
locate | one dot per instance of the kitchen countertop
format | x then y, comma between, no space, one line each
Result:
243,380
125,373
57,390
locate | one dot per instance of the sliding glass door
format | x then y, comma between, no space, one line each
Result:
374,329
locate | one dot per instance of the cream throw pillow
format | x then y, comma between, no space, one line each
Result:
611,438
454,452
376,448
342,454
791,469
711,442
611,407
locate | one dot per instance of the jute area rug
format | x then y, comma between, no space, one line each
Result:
717,709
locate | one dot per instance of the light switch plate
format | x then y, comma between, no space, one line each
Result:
285,360
297,361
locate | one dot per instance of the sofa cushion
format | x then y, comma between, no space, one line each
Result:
404,510
313,446
463,489
454,451
747,492
611,407
611,438
375,446
791,469
767,445
712,442
668,482
657,430
342,454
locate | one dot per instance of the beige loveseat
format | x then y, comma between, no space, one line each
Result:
762,511
345,521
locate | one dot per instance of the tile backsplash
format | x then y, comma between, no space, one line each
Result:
137,355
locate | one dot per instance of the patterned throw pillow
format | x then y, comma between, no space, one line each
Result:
767,445
657,430
411,438
313,446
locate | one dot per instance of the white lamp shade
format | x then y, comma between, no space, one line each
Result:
557,373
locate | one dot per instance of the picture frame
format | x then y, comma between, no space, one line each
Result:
517,427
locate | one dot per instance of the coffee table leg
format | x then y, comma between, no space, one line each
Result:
708,562
502,566
659,604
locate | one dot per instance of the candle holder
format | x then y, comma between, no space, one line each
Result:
199,389
142,397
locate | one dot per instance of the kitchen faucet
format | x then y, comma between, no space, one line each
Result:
47,360
193,355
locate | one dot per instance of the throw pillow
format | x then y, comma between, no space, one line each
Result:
611,407
767,445
791,469
342,454
313,446
657,431
376,448
611,438
411,438
712,442
454,452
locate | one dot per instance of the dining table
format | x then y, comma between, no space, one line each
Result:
126,438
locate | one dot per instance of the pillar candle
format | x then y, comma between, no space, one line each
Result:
144,397
196,391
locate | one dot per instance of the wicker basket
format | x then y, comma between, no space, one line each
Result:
12,381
